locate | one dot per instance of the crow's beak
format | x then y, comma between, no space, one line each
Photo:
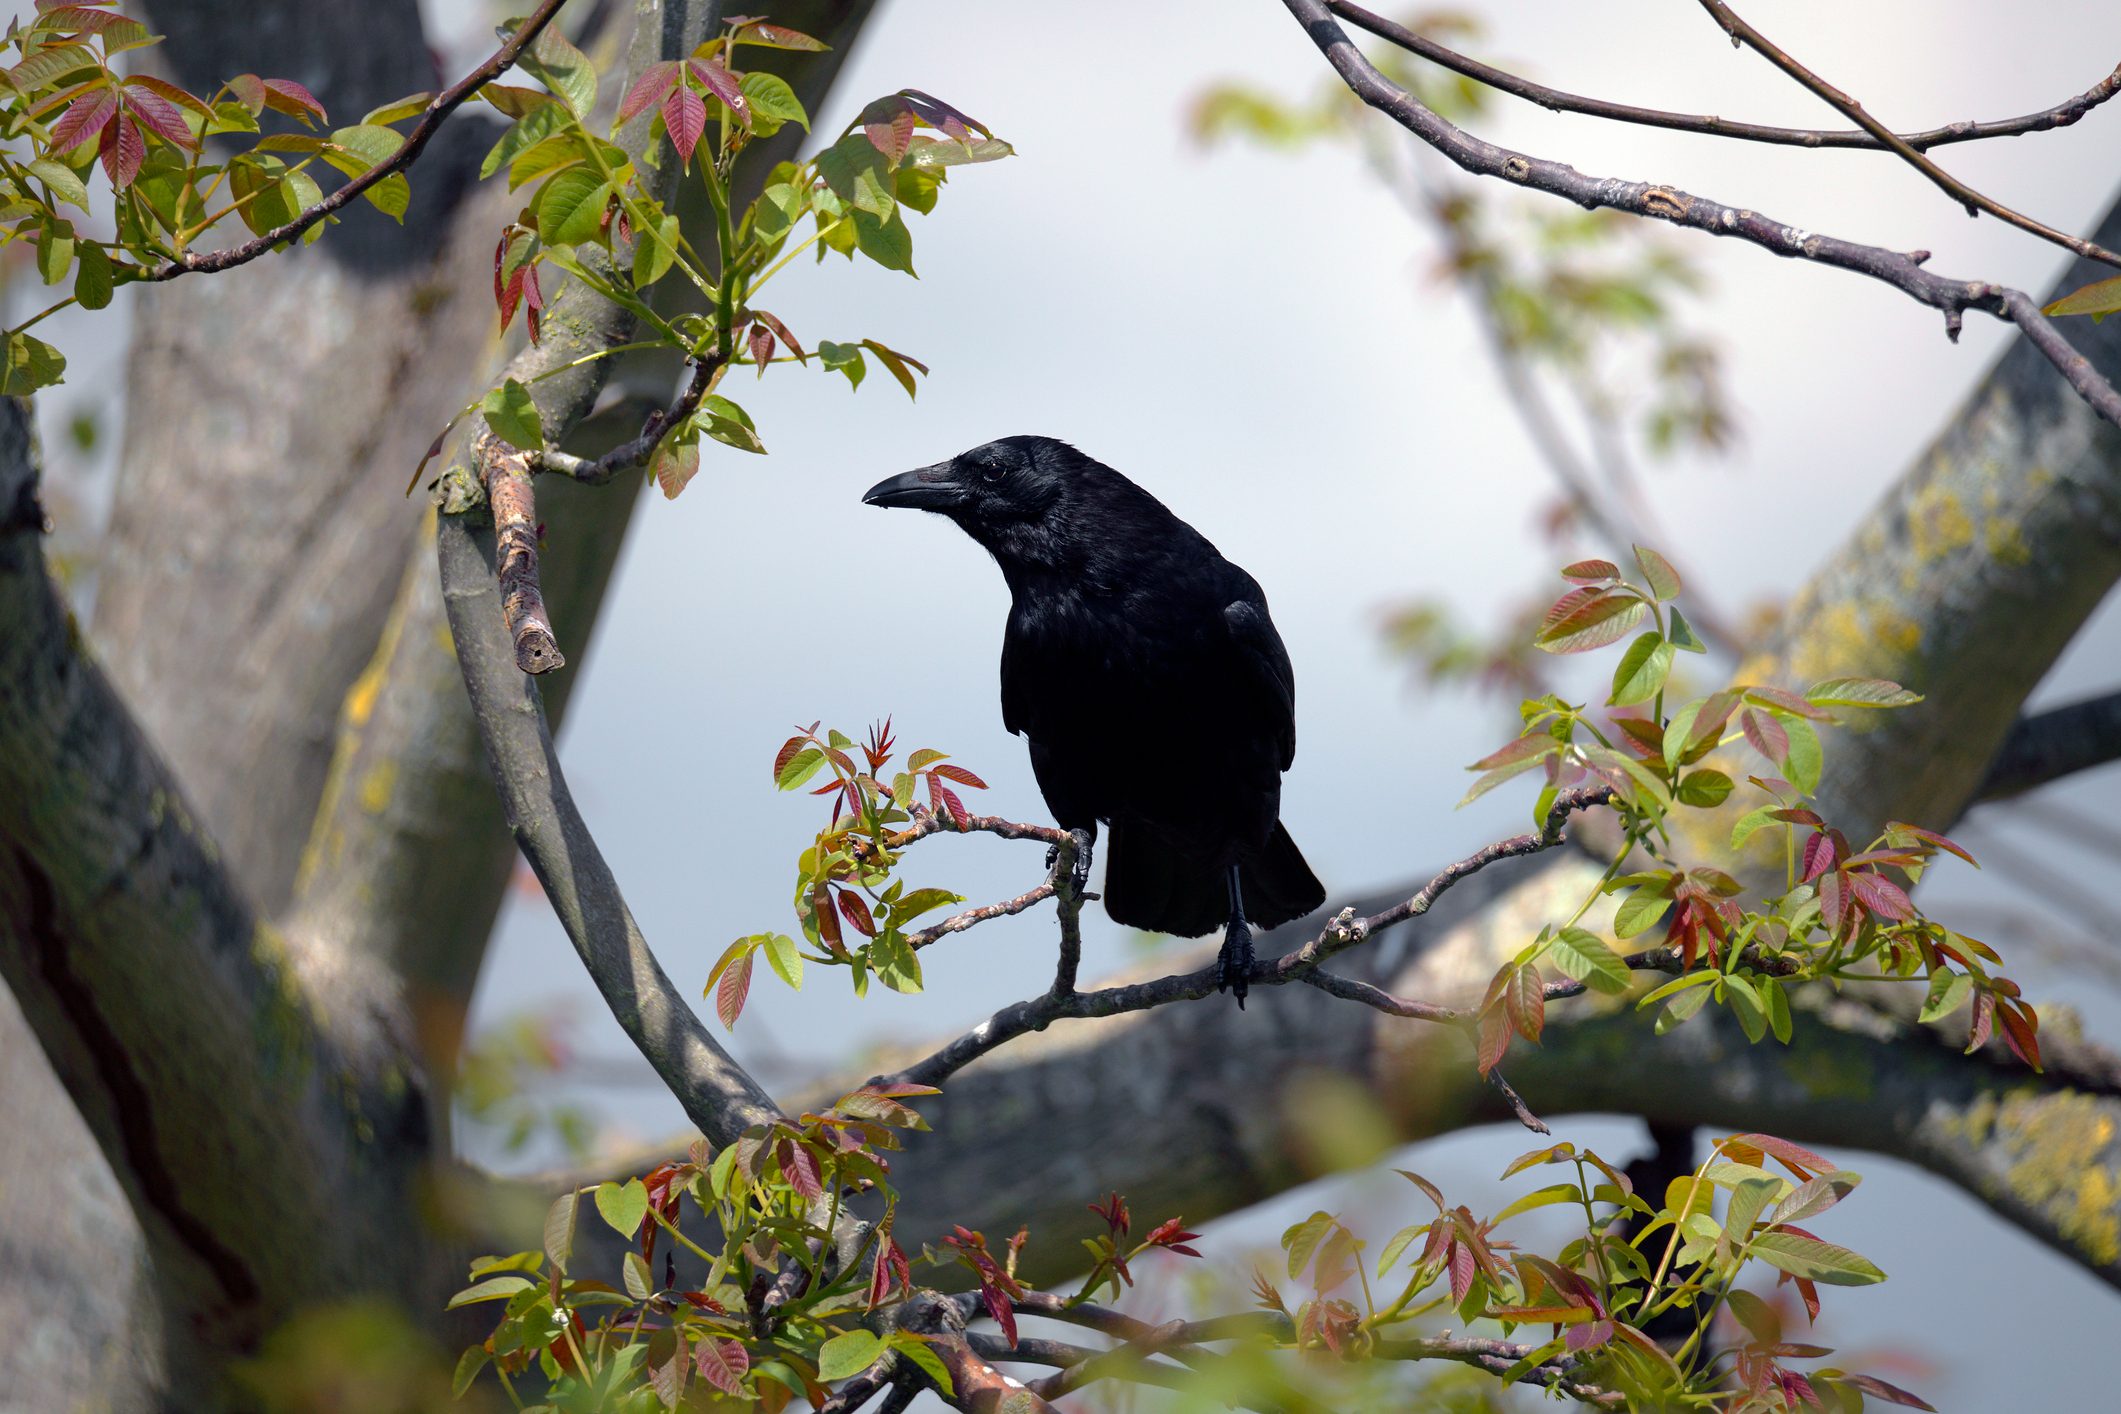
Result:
932,488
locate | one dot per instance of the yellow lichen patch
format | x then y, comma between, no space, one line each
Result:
2058,1146
1937,524
2006,544
376,786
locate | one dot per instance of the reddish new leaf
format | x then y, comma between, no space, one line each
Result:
723,85
799,1166
287,96
1794,1157
124,149
685,115
1881,896
88,116
856,910
1592,572
730,991
649,90
760,346
162,117
2020,1031
1768,736
1818,856
773,322
959,774
892,138
1891,1394
1492,1039
1525,1001
722,1363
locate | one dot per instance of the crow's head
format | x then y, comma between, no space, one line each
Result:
1015,480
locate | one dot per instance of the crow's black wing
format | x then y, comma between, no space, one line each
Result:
1265,669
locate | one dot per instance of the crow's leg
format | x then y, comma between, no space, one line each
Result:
1085,839
1234,972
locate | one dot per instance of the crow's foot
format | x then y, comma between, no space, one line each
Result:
1085,840
1234,967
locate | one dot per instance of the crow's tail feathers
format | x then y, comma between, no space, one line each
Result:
1152,886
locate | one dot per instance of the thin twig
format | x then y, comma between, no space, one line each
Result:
445,103
633,455
1557,101
1902,271
1743,33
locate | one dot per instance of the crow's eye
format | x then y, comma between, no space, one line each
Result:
992,471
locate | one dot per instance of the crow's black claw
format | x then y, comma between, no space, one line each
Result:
1234,967
1080,874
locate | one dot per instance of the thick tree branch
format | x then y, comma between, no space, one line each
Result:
1231,1097
1555,100
716,1093
2047,746
444,103
1743,33
1902,272
238,1091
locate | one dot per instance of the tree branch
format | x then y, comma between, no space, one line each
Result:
717,1094
1902,272
1346,930
2047,746
237,1090
445,103
1743,33
1555,100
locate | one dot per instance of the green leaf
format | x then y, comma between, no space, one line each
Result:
564,69
1540,1198
858,175
1746,1005
571,207
357,150
897,965
727,423
513,416
847,358
785,959
469,1364
31,364
536,126
623,1205
410,106
1683,636
559,1230
1705,788
1301,1241
655,250
921,1353
773,103
799,768
92,283
2098,299
639,1284
887,242
55,250
1806,756
1948,992
1639,911
1751,823
1657,573
1814,1260
1815,1196
1583,955
65,185
1642,671
914,904
942,152
498,1288
1748,1200
847,1355
1860,692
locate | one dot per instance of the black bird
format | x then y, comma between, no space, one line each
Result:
1148,677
